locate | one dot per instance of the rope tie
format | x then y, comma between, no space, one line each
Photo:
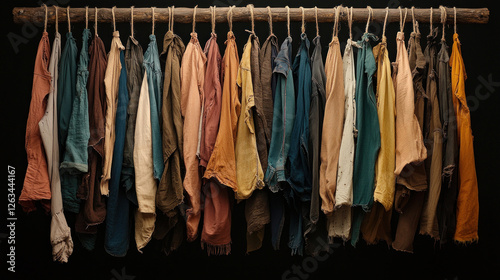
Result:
69,21
132,21
173,19
349,22
113,14
194,17
316,19
385,21
45,22
86,17
56,8
401,20
455,19
288,19
212,9
443,20
270,14
303,27
230,18
250,7
95,25
430,20
336,12
153,20
370,12
413,19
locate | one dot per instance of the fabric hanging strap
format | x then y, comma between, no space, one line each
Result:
69,21
212,10
316,20
194,18
303,26
370,12
132,21
270,15
443,21
113,14
385,21
288,20
153,20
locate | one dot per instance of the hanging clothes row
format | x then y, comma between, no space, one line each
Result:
176,138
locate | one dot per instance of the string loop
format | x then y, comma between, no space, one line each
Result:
86,17
230,18
212,9
349,21
401,20
455,19
69,21
194,18
288,19
430,20
56,8
173,19
370,12
250,7
113,14
45,21
413,18
303,26
336,12
316,19
443,20
95,25
385,21
153,20
270,14
132,21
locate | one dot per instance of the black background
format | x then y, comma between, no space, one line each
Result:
429,261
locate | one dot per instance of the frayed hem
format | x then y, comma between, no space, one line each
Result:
466,242
218,250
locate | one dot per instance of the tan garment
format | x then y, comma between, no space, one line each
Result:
249,174
333,124
111,82
409,140
145,183
192,82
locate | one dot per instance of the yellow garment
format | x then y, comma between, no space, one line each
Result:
467,201
145,183
249,174
111,79
386,161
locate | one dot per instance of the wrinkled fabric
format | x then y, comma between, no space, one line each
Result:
340,223
170,191
75,161
111,81
311,209
257,206
249,174
333,126
448,197
376,224
222,163
135,72
467,200
368,141
116,239
93,208
412,181
433,135
268,53
283,118
192,85
60,233
299,177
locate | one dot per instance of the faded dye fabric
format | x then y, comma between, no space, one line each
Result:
268,53
135,72
249,174
368,141
75,161
299,177
376,224
60,232
433,135
93,209
409,140
116,239
340,222
333,126
192,94
111,81
65,100
170,191
468,200
283,118
257,206
311,209
222,163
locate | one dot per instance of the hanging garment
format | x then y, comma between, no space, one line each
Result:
222,163
111,82
376,224
368,141
134,58
215,234
75,161
314,229
283,118
268,54
116,239
249,174
412,181
170,192
448,198
60,233
467,200
333,126
93,208
192,85
257,206
340,223
433,135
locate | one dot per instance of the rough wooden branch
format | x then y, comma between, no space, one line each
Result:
185,15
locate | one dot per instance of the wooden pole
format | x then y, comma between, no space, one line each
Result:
185,15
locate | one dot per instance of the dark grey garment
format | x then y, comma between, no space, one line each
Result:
315,232
268,53
134,57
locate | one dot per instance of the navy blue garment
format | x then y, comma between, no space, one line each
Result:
298,156
116,239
